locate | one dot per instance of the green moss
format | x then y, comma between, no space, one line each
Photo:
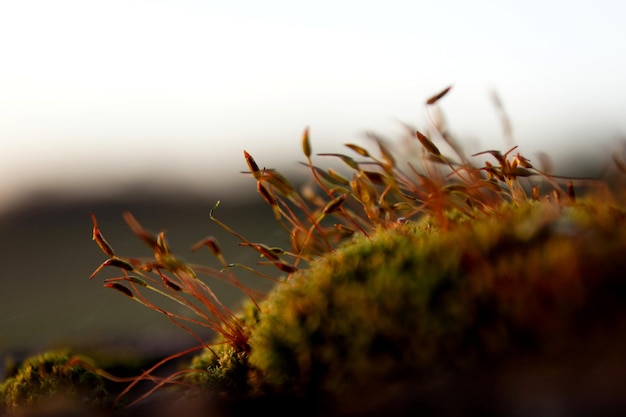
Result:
50,378
224,368
421,300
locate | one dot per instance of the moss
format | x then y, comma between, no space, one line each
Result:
398,273
54,377
223,368
422,301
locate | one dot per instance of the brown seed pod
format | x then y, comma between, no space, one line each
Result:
254,168
438,96
306,144
426,143
97,236
346,159
138,281
119,263
171,285
289,269
358,149
267,196
119,287
335,204
149,238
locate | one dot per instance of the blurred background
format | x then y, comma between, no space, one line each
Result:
147,106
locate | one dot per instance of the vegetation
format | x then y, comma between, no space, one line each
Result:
54,379
405,268
415,303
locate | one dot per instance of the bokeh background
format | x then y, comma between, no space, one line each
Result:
147,106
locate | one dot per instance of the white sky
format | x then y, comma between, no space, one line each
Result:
93,90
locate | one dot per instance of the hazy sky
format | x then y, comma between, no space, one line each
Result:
103,90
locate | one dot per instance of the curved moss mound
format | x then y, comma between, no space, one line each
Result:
54,381
413,305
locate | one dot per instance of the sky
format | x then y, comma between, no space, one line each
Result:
98,94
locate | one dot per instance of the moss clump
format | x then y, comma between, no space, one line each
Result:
419,301
50,380
223,368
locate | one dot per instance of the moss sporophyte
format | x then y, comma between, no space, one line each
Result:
409,275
